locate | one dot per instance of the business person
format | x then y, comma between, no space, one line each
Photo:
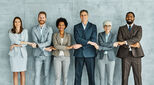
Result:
130,50
62,44
42,36
18,53
84,33
106,55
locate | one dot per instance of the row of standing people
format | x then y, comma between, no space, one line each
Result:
85,35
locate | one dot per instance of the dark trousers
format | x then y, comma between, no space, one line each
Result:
90,65
136,67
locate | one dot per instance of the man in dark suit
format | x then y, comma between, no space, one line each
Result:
84,34
130,50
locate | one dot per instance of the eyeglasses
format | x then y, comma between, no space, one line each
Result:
107,26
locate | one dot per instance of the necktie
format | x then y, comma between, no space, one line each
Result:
129,28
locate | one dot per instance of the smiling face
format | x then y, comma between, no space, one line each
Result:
61,26
84,17
107,28
17,24
130,18
42,19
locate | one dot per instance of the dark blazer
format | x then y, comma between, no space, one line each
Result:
106,46
131,37
82,36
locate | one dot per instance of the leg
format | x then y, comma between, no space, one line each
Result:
110,72
101,68
126,64
22,78
38,66
136,66
47,68
15,78
65,67
57,67
90,65
79,62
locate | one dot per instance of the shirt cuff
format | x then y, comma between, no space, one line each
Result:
126,42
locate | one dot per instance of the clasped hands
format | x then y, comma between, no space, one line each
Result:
136,45
75,46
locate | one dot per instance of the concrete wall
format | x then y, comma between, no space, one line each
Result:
99,10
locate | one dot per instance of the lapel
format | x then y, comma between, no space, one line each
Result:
81,27
110,36
45,30
37,31
133,28
88,25
129,33
59,38
104,38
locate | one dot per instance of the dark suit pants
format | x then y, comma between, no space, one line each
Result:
90,65
136,67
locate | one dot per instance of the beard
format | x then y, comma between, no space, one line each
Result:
42,22
129,22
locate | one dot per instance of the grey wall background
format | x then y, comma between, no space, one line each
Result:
99,10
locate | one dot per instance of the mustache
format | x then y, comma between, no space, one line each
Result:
129,21
41,20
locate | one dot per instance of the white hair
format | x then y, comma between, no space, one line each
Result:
107,22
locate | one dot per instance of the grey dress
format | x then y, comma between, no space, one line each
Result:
18,55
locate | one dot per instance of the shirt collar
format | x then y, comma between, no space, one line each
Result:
42,26
131,25
84,26
107,34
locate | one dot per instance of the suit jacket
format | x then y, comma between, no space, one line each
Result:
106,46
82,36
42,41
57,44
16,39
131,37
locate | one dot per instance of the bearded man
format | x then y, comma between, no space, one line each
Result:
42,37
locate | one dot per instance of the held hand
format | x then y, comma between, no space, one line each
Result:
48,49
121,43
136,45
23,42
76,46
14,45
53,48
91,43
11,47
96,46
115,44
34,45
69,47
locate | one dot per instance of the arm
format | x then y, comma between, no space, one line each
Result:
25,38
120,38
57,45
106,46
78,38
69,40
14,40
48,41
34,37
93,37
136,38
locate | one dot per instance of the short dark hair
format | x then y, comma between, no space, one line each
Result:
83,10
61,20
130,13
42,12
